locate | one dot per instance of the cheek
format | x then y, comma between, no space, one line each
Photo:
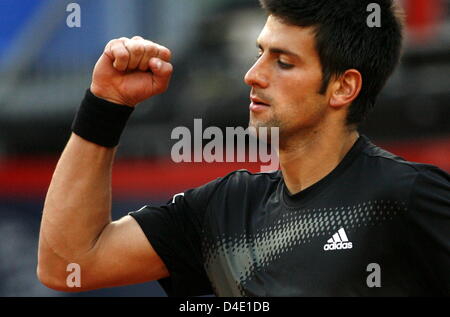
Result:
292,95
299,101
296,86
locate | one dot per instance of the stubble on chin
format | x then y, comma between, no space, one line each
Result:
256,125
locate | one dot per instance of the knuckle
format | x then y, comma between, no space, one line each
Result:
165,53
121,54
148,47
110,43
168,53
159,50
113,43
135,48
139,49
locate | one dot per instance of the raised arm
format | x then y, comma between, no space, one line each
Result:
76,224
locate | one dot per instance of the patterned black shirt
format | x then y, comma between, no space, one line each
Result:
377,225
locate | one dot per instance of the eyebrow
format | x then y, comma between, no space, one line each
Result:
276,50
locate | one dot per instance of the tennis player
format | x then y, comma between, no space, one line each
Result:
342,217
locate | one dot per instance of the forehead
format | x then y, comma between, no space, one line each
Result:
299,40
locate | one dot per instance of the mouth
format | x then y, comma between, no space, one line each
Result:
257,104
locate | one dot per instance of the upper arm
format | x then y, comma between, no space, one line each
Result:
122,255
429,219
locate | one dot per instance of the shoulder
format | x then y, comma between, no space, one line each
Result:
424,183
244,176
244,181
394,167
237,182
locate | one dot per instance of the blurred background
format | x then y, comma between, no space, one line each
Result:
45,68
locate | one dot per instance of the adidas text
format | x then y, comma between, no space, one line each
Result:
338,246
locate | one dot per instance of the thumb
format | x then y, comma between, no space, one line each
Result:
160,68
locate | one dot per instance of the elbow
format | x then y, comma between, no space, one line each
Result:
45,276
54,272
50,278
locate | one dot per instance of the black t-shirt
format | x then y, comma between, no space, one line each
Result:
377,225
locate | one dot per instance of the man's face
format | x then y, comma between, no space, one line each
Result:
286,80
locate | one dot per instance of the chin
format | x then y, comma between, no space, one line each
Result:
257,124
263,124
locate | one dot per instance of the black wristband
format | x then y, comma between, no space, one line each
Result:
100,121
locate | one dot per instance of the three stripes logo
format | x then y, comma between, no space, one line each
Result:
339,241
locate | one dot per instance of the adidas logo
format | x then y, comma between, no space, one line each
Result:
339,241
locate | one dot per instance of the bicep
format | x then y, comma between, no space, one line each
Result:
121,256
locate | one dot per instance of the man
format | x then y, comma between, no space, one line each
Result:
342,217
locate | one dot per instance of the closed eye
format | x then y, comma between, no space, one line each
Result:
284,65
281,64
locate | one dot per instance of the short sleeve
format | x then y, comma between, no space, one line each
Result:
175,232
429,216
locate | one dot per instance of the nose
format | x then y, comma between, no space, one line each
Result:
256,75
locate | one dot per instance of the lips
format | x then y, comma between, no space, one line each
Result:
258,102
258,105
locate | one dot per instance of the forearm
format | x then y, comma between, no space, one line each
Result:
78,202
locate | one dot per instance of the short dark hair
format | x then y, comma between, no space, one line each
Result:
344,41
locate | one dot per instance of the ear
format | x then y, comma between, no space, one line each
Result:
346,88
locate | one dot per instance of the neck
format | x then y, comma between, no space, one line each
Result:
306,159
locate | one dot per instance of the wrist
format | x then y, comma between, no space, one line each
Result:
109,97
101,121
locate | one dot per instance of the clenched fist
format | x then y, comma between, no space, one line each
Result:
131,70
